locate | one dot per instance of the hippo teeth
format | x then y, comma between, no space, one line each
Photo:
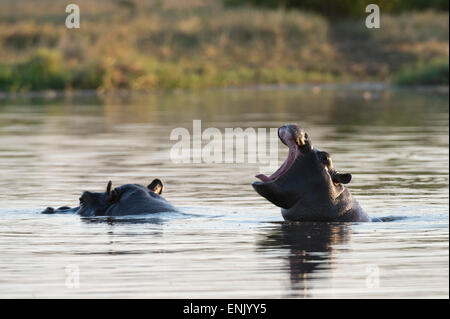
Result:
263,177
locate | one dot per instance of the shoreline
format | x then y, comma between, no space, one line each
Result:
315,88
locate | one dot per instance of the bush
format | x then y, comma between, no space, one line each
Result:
434,73
87,77
43,70
5,76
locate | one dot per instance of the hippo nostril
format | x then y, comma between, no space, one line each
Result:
282,132
279,131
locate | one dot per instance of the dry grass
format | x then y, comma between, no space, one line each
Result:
137,44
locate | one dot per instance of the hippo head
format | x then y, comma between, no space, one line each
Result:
97,204
307,175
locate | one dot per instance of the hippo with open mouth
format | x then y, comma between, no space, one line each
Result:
130,199
306,186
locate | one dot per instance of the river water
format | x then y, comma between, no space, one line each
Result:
229,242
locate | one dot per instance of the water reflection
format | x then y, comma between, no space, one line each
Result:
309,248
122,221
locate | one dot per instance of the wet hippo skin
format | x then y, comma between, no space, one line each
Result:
130,199
307,187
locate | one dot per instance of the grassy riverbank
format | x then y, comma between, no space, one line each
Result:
136,44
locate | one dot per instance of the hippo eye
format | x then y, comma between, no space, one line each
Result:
324,158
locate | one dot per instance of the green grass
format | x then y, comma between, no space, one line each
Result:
137,44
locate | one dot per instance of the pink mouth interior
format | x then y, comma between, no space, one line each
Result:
287,139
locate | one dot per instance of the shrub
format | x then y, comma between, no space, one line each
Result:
434,73
43,70
5,76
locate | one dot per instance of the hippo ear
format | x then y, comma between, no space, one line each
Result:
342,178
108,188
156,186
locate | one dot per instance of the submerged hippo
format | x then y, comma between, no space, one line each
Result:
306,186
130,199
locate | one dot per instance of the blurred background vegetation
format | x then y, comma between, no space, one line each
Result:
146,44
346,8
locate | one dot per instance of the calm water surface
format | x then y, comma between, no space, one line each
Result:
230,242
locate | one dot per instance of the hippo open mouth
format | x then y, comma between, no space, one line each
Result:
288,138
282,187
307,187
